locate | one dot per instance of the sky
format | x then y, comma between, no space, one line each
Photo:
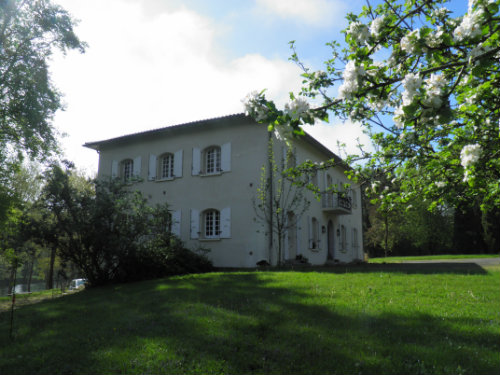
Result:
156,63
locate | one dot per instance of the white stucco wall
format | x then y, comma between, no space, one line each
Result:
234,189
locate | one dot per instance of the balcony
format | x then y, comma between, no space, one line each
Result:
336,203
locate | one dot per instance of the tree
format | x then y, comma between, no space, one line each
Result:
426,87
280,203
30,31
110,232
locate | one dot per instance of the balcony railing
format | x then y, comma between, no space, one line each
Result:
336,203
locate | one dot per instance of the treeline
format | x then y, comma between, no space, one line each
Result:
413,229
70,226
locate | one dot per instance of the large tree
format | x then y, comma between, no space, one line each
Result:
30,32
425,84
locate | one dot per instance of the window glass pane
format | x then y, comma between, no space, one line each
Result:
167,166
212,224
212,156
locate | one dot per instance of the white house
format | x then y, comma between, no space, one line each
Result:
208,172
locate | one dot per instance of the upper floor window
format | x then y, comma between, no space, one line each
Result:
212,160
167,166
127,169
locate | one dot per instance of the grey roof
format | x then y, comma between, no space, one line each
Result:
229,119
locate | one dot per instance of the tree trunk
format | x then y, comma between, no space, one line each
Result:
30,275
49,283
386,235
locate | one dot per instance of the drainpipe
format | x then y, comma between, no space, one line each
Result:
270,192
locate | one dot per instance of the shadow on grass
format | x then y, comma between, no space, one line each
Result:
406,268
235,323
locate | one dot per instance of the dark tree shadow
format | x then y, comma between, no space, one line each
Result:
235,323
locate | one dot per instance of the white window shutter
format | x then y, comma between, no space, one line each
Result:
226,157
152,167
178,164
225,218
137,167
176,223
114,169
195,223
196,161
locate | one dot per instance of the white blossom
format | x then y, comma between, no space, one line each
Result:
440,184
376,26
399,118
296,108
434,86
435,39
253,107
470,26
411,84
351,76
359,32
470,154
408,42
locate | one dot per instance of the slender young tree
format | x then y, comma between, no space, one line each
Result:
278,198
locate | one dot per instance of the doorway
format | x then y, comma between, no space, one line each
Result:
331,241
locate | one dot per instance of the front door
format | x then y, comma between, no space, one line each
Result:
331,240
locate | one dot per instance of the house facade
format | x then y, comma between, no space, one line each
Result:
209,172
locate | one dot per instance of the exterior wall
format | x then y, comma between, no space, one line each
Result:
318,255
230,191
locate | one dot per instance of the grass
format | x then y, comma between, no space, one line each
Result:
431,257
384,319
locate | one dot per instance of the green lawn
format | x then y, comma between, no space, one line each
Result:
431,257
384,319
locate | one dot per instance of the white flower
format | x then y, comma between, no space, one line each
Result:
411,84
359,32
434,86
470,26
351,75
408,42
296,108
440,184
376,26
399,118
434,39
469,155
253,106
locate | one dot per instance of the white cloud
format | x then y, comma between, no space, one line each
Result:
344,132
143,71
322,13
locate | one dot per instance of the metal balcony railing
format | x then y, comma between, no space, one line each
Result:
337,203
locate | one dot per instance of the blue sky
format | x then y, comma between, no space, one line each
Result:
154,63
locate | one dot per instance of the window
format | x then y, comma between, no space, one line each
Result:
211,224
212,160
167,166
127,169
